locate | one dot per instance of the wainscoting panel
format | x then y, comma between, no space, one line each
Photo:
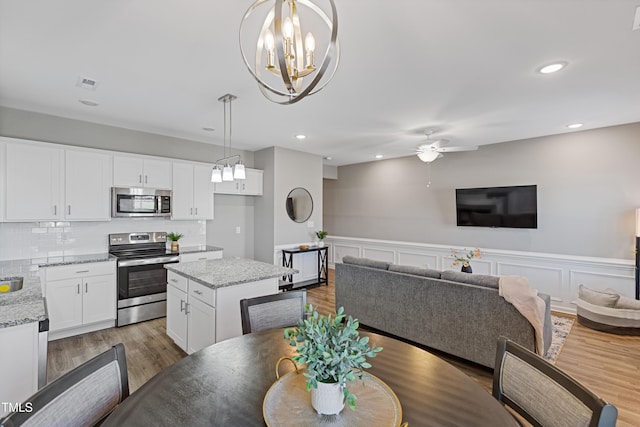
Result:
545,279
554,274
417,259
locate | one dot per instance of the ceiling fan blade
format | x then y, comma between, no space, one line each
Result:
455,149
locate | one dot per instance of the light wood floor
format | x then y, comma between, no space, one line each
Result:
607,364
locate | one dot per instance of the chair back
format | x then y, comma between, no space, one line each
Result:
83,396
544,395
272,311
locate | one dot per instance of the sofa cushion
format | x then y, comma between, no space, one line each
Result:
365,262
628,303
416,271
603,299
472,279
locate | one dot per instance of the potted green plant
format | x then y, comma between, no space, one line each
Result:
334,354
174,237
321,235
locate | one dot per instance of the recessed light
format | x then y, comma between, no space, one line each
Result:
575,125
88,102
379,156
301,136
552,68
208,129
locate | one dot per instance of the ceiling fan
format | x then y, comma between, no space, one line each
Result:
433,150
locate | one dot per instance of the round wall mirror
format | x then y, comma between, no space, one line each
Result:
299,204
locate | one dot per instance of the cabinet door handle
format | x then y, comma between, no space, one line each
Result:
186,308
196,211
182,307
86,287
78,288
197,292
173,280
243,186
82,271
190,211
145,179
69,210
55,210
140,178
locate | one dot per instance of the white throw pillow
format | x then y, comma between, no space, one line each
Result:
603,299
628,303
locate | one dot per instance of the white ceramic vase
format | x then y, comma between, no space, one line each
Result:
327,399
321,244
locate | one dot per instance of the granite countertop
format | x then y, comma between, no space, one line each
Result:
26,305
72,259
218,273
200,248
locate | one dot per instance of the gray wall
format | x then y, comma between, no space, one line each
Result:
285,170
43,127
588,189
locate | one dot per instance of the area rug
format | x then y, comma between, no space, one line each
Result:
561,328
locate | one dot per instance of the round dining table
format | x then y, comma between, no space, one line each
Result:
225,385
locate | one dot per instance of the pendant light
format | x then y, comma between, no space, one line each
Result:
226,172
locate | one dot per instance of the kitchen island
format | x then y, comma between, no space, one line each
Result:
203,298
23,334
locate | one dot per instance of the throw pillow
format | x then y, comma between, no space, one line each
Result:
628,303
472,279
603,299
365,262
416,271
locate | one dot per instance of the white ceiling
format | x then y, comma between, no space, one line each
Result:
465,67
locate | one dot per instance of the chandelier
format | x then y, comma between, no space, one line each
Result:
289,61
222,170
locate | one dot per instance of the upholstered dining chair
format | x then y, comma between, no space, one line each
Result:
83,396
543,394
272,311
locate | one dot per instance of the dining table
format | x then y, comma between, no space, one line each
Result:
225,385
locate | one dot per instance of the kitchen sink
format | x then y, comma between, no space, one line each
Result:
10,284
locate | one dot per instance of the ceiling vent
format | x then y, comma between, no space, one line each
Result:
87,83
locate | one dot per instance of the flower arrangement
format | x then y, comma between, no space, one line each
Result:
174,237
332,350
464,256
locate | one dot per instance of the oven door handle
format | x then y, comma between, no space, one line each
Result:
147,261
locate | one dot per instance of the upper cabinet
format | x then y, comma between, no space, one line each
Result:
33,182
87,185
192,196
141,172
251,186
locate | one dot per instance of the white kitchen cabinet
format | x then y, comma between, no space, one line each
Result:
80,298
190,313
141,172
18,364
33,182
3,154
192,196
251,186
200,256
87,185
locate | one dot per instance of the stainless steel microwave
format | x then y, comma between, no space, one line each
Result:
140,202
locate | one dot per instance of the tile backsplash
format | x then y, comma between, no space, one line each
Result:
27,240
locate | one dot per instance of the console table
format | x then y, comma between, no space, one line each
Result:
287,282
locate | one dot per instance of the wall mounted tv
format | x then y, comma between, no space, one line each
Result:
510,207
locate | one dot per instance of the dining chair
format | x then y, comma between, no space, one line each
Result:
84,396
272,311
543,394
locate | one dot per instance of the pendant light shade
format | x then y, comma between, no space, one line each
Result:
238,170
227,173
216,174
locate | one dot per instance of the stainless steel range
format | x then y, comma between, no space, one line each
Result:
142,278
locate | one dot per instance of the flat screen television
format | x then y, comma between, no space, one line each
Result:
510,207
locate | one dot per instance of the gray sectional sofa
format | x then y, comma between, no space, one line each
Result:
456,313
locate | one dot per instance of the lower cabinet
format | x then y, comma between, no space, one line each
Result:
80,298
18,365
191,316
